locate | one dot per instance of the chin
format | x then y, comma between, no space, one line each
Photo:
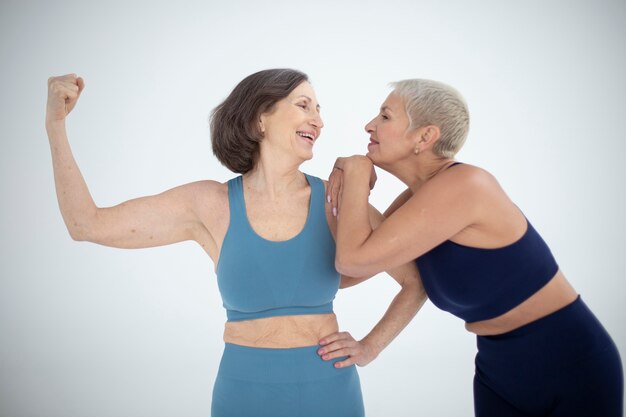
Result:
374,157
377,161
305,156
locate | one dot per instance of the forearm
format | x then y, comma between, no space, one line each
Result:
401,311
353,222
75,202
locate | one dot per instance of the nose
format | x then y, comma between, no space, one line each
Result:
317,121
369,128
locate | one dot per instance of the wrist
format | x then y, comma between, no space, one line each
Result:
361,165
372,347
54,122
55,125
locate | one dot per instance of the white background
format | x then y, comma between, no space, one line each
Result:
93,331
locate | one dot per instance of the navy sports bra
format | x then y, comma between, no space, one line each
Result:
261,278
478,284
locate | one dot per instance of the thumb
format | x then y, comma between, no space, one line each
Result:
81,85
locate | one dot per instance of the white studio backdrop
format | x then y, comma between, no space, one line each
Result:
92,331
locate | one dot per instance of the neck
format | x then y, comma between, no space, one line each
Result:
275,177
417,170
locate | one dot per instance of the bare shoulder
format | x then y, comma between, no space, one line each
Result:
204,192
210,200
207,186
209,197
467,179
462,192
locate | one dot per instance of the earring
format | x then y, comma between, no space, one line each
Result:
416,151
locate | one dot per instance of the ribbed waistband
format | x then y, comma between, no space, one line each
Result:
575,309
235,315
292,365
561,338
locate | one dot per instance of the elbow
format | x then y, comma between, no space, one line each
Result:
348,266
77,234
417,291
82,228
342,266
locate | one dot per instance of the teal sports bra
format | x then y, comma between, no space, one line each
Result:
260,278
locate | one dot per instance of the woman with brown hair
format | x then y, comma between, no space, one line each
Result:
271,238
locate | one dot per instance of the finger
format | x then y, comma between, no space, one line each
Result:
336,193
70,86
67,77
71,76
338,354
344,363
332,178
59,85
81,85
64,92
337,202
328,188
338,344
331,338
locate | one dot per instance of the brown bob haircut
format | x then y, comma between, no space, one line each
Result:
235,133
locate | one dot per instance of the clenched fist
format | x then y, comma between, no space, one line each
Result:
63,93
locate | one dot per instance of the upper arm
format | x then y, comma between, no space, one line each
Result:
168,217
376,218
398,202
443,207
406,275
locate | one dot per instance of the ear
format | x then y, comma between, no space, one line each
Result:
428,135
262,123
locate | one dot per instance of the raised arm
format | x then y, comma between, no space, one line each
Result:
451,202
398,202
166,218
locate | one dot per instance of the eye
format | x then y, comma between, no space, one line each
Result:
384,117
303,105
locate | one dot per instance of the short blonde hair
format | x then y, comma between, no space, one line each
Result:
429,102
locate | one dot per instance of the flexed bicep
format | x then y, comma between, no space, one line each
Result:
170,217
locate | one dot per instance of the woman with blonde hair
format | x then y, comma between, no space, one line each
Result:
541,351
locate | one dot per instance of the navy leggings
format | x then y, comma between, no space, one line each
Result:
564,364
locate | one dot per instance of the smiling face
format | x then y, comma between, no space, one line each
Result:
294,124
390,139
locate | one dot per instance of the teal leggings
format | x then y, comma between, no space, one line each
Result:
295,382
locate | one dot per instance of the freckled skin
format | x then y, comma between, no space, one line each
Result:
199,211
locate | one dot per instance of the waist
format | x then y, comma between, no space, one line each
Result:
555,295
282,366
281,332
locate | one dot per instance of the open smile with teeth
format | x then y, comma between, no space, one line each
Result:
308,136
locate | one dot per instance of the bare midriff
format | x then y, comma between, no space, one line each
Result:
556,294
281,332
